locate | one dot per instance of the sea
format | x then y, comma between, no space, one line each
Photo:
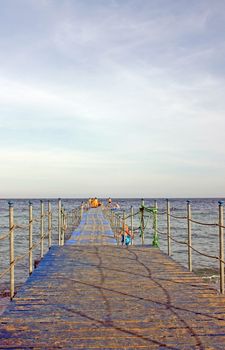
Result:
205,238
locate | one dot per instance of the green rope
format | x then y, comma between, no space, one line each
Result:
154,211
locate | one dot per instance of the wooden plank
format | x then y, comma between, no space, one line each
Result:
110,297
93,229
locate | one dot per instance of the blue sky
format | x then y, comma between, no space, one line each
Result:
112,98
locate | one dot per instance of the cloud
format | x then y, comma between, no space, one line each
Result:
130,92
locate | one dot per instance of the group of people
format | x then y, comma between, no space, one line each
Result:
126,234
95,203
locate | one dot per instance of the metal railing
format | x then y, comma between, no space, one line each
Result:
65,222
119,220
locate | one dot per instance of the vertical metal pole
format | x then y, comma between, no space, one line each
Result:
59,220
113,227
66,220
168,227
11,249
49,225
221,241
61,233
42,231
189,236
118,230
124,222
121,224
30,238
63,227
132,224
155,241
114,221
111,218
81,210
142,222
73,219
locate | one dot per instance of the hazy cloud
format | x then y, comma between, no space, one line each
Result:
117,97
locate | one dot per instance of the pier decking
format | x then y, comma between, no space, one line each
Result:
92,294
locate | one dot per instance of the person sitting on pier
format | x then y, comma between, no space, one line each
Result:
126,235
129,237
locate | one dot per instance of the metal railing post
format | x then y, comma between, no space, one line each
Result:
59,220
65,223
49,225
30,238
124,222
63,226
189,236
111,218
11,249
132,224
114,221
81,210
155,241
142,222
121,224
118,231
221,242
42,230
168,227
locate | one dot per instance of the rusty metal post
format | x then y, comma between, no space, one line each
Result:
30,238
189,236
221,242
59,220
49,225
168,227
11,250
42,230
132,224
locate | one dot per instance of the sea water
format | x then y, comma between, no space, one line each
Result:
204,238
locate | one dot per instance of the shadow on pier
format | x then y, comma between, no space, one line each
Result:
92,294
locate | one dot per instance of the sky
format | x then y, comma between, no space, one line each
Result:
120,98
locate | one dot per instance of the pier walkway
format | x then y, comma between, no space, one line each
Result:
99,295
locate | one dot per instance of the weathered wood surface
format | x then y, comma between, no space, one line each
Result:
93,229
109,297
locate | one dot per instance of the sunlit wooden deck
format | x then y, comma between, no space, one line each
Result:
92,294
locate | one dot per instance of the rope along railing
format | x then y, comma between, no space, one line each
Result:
119,222
38,229
189,221
123,224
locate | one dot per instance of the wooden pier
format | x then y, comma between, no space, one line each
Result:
93,294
